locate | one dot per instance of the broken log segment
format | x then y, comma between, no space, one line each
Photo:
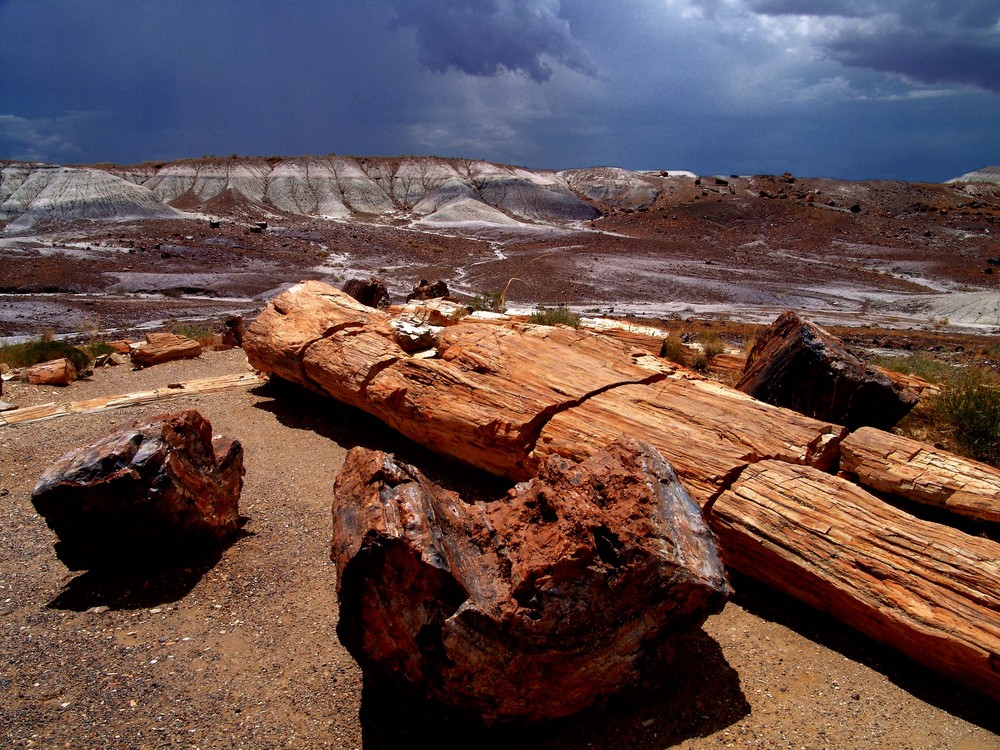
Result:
156,489
495,391
164,347
925,589
919,472
567,592
798,365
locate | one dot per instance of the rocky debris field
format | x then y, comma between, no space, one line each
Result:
239,650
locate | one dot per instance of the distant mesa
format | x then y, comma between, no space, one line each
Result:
986,174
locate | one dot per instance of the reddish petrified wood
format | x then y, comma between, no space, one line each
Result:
53,372
563,594
922,473
162,487
925,589
798,365
164,347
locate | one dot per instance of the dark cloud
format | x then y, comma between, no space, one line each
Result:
934,41
486,37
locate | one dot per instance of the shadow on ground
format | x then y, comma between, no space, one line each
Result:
700,695
140,584
824,629
299,409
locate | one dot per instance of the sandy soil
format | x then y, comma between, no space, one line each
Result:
239,651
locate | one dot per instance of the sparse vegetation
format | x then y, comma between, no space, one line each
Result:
490,302
673,350
192,330
95,349
921,365
712,345
42,350
969,409
555,316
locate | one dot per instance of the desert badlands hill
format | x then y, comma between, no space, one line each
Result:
116,245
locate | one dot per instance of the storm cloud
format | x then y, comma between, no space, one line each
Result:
929,41
487,37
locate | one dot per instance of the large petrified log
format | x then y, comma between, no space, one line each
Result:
504,397
164,347
919,472
925,589
565,593
798,365
159,488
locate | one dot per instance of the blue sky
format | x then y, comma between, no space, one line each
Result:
895,89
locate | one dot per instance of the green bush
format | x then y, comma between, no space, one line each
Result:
42,350
490,302
969,407
673,349
192,330
555,316
95,349
921,365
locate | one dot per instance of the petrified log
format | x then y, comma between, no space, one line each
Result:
371,292
919,472
233,335
567,592
164,347
798,365
158,488
54,372
503,397
925,589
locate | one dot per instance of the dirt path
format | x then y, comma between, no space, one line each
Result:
240,651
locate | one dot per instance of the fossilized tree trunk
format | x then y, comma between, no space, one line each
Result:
925,589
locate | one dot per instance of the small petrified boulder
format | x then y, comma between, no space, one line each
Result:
53,372
372,293
798,365
427,290
158,488
566,592
164,347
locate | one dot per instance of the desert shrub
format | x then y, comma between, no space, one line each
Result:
555,316
969,408
192,330
699,362
95,349
490,302
712,345
672,349
921,365
42,350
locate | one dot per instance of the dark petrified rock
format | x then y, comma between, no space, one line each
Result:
158,488
535,607
372,292
798,365
164,347
427,290
233,335
53,372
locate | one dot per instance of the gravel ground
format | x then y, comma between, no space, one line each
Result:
239,651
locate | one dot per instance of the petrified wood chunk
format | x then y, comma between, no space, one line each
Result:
427,290
532,608
164,347
798,365
925,589
916,471
159,487
54,372
371,292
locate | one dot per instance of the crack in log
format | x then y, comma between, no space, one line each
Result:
532,431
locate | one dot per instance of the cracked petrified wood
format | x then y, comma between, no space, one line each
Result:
565,593
922,473
164,347
504,397
798,365
159,488
923,588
